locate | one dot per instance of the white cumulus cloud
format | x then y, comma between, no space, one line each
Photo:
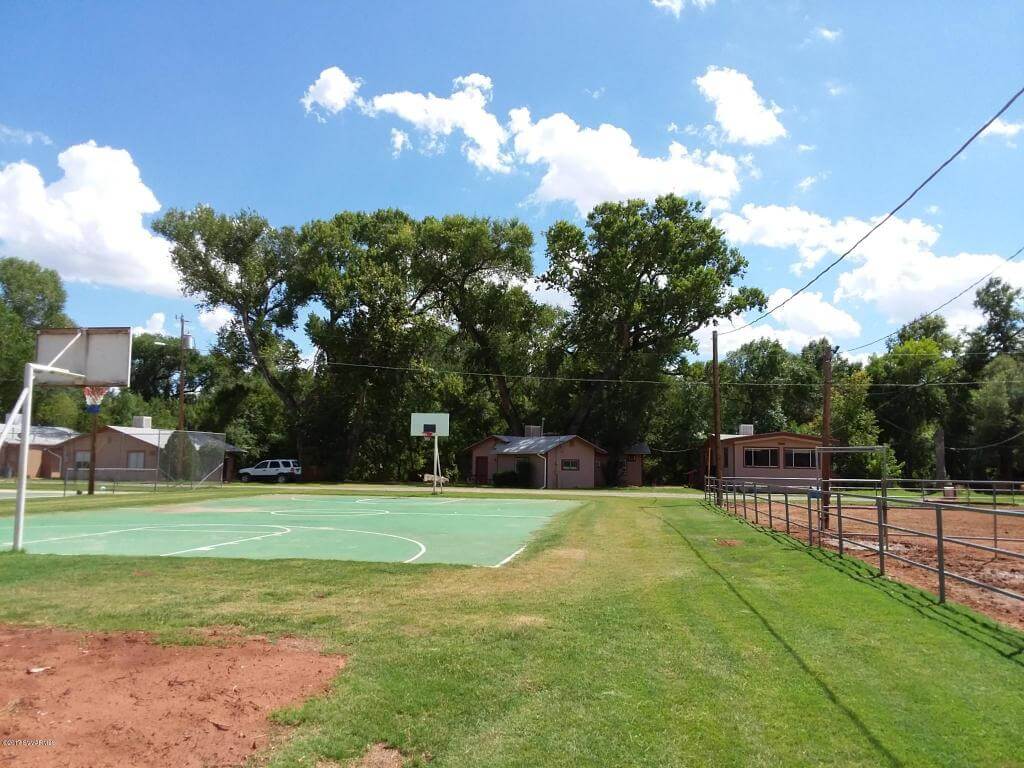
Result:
465,110
587,166
805,184
331,93
1002,129
828,35
804,319
215,319
155,324
88,225
743,115
399,141
9,135
675,7
897,269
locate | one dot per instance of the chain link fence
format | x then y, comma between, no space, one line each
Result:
135,459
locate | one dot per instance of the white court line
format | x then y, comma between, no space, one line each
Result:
78,536
508,559
420,544
367,513
393,512
208,547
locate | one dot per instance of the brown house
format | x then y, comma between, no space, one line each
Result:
777,457
133,453
45,457
556,461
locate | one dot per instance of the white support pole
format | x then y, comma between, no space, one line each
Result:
437,468
23,456
25,448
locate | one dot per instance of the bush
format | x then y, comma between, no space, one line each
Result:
508,479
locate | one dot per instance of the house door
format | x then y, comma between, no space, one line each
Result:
480,469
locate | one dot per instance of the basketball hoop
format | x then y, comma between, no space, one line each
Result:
94,398
431,426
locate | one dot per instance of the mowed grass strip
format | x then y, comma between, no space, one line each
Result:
633,632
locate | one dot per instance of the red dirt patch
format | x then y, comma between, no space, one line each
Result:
118,699
728,542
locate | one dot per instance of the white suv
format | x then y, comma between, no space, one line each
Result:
278,470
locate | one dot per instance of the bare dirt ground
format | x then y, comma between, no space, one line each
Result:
1004,571
85,699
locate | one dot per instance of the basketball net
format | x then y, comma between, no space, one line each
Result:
94,398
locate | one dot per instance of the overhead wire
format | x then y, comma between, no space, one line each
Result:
668,381
882,221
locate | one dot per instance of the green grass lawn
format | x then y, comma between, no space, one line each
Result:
629,634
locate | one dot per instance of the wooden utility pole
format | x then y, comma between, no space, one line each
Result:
717,404
940,453
826,434
181,378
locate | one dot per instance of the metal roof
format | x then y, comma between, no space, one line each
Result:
527,445
158,437
41,435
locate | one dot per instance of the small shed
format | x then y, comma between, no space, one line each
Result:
633,473
556,461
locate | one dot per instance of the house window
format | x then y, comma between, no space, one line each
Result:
801,458
570,465
81,459
136,460
631,457
760,457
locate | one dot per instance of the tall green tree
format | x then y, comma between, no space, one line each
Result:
909,396
643,278
31,297
470,269
997,406
243,263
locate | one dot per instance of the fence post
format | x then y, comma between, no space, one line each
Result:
771,520
757,513
881,536
785,497
810,522
940,551
839,520
743,495
995,523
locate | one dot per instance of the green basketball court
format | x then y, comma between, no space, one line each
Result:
433,529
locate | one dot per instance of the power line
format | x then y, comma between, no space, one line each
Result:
668,381
948,302
990,445
886,218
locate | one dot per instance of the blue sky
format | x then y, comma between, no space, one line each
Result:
797,122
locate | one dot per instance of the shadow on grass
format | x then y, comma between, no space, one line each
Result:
1007,643
830,694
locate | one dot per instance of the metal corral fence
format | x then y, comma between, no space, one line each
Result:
144,460
938,534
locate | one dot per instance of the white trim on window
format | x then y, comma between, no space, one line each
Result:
570,465
808,458
761,458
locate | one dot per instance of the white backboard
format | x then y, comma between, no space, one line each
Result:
104,355
429,425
